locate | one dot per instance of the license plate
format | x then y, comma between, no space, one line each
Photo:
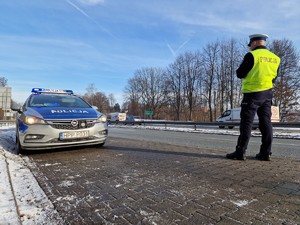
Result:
73,135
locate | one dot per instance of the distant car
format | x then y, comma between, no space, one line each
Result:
134,120
117,116
52,118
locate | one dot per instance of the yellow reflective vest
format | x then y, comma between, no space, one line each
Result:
264,70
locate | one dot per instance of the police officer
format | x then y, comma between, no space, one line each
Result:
258,72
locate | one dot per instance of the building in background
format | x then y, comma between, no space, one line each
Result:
5,104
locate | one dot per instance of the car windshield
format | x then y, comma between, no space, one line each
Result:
46,100
226,113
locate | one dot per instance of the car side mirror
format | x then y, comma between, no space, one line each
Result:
17,109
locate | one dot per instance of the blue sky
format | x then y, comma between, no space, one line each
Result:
69,44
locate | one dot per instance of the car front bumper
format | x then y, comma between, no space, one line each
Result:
38,137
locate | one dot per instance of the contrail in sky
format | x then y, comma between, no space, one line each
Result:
86,15
180,47
171,50
183,44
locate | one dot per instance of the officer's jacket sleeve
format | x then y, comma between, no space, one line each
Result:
245,66
273,81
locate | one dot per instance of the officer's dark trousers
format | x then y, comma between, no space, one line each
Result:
259,102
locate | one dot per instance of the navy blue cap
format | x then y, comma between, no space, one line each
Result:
257,37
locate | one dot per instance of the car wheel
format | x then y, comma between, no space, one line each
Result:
221,127
230,127
19,149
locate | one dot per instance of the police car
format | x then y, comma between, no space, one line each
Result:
54,118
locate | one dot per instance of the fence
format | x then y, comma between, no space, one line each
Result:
166,123
9,123
203,124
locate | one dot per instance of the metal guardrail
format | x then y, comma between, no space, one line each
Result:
195,124
4,123
186,123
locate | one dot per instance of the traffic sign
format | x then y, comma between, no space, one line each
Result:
149,112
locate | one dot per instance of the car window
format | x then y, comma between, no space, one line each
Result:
226,113
57,101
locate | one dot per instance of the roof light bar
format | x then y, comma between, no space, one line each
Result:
47,90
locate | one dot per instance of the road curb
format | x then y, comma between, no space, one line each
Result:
8,206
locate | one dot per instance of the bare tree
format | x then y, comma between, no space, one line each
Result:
111,101
191,80
204,78
175,92
90,92
150,83
231,94
287,84
97,98
102,102
211,57
132,96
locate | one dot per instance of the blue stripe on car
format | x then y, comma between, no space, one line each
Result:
65,112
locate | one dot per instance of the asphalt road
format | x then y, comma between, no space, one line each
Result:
281,147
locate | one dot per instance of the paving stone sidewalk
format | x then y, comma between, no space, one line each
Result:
138,182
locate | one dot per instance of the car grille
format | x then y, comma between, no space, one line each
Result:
72,140
71,124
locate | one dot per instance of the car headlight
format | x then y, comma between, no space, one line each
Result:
102,118
30,120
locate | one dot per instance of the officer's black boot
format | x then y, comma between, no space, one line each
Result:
263,157
239,155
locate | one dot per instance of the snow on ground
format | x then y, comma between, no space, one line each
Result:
8,212
22,199
24,202
289,133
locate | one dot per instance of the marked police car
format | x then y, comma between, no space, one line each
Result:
53,118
